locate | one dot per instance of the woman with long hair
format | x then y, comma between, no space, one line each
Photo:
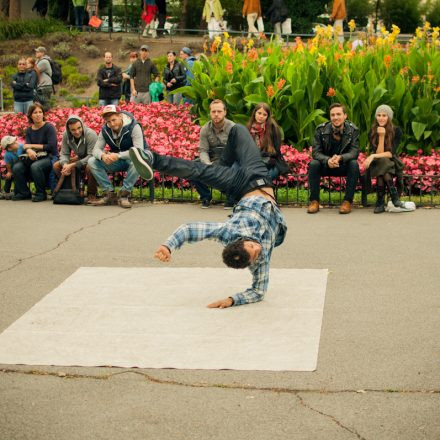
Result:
384,163
267,135
174,76
36,162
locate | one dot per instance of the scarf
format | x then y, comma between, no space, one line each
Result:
257,132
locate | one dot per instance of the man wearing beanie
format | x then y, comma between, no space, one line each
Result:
335,152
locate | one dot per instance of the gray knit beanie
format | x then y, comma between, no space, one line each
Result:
385,109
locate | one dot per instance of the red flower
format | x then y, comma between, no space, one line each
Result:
331,92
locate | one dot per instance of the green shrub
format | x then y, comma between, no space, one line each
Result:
12,29
131,44
160,63
77,80
63,92
359,11
8,60
91,50
68,70
71,61
62,50
58,37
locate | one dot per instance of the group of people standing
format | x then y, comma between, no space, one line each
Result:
140,82
33,81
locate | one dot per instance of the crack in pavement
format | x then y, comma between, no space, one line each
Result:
59,244
237,386
329,416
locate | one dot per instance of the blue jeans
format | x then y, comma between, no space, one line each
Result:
22,107
79,12
100,172
103,102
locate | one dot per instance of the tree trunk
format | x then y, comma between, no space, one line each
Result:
14,9
4,8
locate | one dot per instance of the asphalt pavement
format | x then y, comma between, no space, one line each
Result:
379,358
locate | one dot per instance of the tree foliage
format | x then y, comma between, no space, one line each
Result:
405,14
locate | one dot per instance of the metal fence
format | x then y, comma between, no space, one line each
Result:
295,193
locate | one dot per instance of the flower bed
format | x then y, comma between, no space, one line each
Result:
172,130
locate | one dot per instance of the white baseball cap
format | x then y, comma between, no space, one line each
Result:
8,140
109,109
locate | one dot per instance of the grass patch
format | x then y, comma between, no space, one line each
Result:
13,29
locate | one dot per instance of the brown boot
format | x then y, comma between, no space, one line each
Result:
345,208
313,207
109,198
124,201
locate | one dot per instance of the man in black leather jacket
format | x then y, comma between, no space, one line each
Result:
335,151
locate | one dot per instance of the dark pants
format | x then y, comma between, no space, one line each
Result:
79,12
8,184
317,170
38,171
250,172
161,24
43,96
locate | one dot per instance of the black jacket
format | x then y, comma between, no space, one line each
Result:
110,89
277,12
23,85
178,72
322,143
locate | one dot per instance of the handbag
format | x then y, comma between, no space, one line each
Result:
66,192
95,21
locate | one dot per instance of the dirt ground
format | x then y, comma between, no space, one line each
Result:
120,44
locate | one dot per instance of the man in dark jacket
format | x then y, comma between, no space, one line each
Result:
143,72
76,149
23,85
335,152
109,80
120,132
277,14
161,15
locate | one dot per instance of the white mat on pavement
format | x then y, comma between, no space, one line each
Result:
157,318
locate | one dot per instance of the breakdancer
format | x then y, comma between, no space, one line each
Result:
256,225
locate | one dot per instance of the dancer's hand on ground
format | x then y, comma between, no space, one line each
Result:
163,254
222,304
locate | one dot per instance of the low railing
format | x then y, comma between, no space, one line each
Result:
423,189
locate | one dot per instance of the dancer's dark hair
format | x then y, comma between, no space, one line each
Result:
236,256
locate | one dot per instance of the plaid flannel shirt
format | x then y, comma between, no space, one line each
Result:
254,218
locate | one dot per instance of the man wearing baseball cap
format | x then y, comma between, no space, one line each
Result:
120,132
142,72
45,85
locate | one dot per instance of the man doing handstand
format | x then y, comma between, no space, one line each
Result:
256,225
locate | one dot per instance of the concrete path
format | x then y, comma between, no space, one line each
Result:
379,365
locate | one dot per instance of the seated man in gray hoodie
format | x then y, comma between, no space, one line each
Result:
120,132
76,149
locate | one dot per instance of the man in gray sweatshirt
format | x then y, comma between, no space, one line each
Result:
76,149
45,85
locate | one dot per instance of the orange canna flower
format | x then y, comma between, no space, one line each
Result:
270,91
229,68
269,50
243,64
280,83
252,55
437,89
331,92
415,79
387,61
338,56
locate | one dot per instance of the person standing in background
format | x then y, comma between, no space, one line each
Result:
162,16
213,15
338,15
252,11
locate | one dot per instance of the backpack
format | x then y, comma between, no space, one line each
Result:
66,191
57,75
